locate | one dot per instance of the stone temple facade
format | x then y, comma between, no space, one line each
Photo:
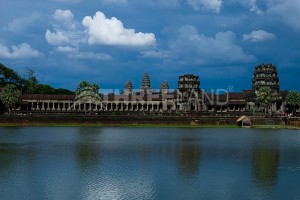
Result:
186,98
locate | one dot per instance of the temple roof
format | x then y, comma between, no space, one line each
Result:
47,97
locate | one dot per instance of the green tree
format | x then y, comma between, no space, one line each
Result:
293,99
265,96
9,96
87,93
30,81
44,89
63,91
8,75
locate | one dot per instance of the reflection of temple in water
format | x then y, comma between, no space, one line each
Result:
87,152
188,158
265,163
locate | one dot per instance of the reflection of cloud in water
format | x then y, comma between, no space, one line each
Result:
137,185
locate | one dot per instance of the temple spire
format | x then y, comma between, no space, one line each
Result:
128,87
146,85
164,87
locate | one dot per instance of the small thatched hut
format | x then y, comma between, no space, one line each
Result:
244,121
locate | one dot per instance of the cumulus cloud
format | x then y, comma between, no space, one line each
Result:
101,30
212,5
254,7
20,24
155,54
191,47
91,56
288,11
259,36
56,38
73,52
251,4
68,35
66,49
22,51
66,17
66,30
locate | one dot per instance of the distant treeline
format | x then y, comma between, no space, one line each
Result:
29,84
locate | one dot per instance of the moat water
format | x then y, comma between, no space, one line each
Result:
149,163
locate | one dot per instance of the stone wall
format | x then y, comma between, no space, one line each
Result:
138,119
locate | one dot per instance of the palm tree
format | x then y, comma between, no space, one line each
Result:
87,93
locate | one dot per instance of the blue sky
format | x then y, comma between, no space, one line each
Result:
110,41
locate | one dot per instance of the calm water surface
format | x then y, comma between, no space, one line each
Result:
149,163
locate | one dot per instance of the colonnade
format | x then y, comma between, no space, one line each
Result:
145,106
151,106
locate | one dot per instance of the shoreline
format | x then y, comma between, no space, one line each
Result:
99,125
142,121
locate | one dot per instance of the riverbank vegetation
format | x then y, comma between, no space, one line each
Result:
27,83
13,85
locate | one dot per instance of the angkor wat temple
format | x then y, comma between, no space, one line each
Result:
187,98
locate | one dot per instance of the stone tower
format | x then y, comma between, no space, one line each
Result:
164,87
265,75
189,92
128,87
146,85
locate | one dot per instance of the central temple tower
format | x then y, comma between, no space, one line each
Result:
146,85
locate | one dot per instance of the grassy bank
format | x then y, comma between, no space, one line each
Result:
276,127
33,124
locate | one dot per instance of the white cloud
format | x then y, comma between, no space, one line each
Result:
74,52
191,47
22,51
251,4
213,5
101,30
155,54
66,49
288,11
66,30
115,1
66,17
254,7
91,56
259,36
67,37
56,38
18,25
